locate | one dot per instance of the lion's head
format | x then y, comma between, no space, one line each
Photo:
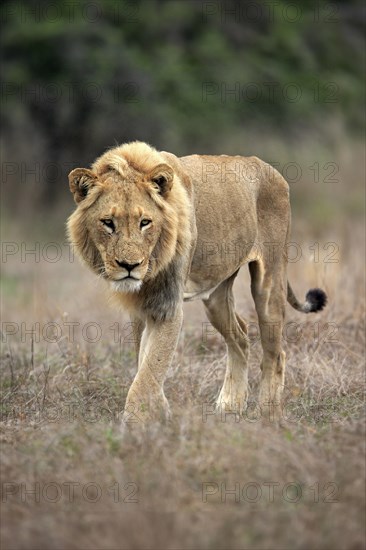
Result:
131,215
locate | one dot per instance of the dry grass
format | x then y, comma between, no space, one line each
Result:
60,421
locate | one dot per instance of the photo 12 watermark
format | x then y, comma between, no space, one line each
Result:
269,93
53,332
293,411
71,93
268,11
71,11
236,169
270,492
36,252
69,491
214,254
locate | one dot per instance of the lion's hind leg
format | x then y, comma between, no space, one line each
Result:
220,310
268,286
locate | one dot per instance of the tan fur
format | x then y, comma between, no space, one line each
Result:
209,216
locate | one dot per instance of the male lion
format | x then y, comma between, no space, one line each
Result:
162,229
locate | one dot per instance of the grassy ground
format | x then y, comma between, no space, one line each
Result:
72,480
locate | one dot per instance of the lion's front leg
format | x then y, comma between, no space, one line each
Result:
146,399
138,335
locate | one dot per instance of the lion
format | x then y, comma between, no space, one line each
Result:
162,230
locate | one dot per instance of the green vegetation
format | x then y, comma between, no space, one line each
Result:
184,75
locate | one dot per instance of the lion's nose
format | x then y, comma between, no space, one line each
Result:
127,266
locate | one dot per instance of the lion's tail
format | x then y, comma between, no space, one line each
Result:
315,300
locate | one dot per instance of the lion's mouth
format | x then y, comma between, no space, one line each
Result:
128,277
111,279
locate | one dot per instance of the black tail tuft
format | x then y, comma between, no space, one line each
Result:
316,300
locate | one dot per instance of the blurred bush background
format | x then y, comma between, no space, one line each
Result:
276,79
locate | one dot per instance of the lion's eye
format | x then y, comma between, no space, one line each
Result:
109,224
145,223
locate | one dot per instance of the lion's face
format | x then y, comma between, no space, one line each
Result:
125,224
124,227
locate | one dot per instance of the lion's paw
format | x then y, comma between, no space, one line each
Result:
231,403
141,411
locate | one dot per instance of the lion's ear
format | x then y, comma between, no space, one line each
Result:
80,181
162,176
